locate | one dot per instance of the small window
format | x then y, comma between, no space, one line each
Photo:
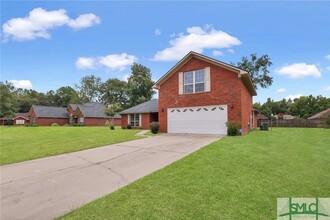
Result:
81,120
135,120
20,122
194,81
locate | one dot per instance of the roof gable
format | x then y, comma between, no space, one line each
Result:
150,106
240,73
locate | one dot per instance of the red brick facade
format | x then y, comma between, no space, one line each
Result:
44,121
93,121
227,88
146,119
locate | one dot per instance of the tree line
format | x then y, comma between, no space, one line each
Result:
119,93
302,107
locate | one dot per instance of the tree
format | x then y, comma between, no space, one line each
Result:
111,110
66,95
8,104
89,88
139,85
258,69
114,91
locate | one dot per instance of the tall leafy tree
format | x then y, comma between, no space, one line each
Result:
8,104
66,95
257,67
139,85
114,91
89,88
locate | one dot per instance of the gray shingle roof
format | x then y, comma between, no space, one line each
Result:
321,114
94,110
146,107
50,112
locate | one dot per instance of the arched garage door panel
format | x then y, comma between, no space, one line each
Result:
198,120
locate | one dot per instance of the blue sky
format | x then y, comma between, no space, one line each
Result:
48,44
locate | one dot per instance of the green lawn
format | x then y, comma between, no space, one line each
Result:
26,143
234,178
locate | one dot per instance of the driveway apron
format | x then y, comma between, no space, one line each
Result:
49,187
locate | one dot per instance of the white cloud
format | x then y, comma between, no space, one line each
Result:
231,51
126,76
292,97
23,84
85,63
39,21
327,88
327,57
117,61
328,68
84,21
281,90
197,39
112,61
217,53
158,32
299,70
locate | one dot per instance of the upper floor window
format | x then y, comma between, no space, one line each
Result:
193,81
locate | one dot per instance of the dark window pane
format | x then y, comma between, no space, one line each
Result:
188,89
199,87
199,76
188,77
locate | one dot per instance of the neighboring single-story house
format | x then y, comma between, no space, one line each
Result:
89,114
140,115
92,114
47,115
200,94
18,119
319,117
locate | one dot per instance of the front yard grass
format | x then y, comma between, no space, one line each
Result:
27,143
233,178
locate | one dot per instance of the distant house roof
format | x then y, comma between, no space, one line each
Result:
261,116
146,107
320,115
23,115
17,115
50,112
285,117
93,110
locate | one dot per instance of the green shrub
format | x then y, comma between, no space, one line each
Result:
9,122
31,125
112,127
129,126
154,127
327,122
123,127
233,128
54,124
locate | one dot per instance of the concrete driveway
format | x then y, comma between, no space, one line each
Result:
50,187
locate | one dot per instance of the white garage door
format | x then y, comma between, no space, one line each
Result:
198,120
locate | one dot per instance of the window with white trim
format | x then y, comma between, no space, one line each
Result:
134,120
81,120
20,121
193,81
